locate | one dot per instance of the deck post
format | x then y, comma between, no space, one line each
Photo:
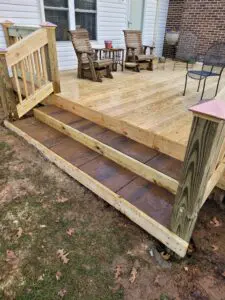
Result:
52,56
5,25
203,161
7,95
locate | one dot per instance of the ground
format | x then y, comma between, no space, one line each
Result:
58,240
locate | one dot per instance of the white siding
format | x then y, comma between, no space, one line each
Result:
20,12
161,25
112,19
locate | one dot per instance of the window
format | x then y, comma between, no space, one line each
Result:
61,13
57,11
85,11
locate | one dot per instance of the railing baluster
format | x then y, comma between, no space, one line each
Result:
44,68
37,67
24,78
15,75
31,72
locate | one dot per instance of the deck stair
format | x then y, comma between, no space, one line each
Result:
137,180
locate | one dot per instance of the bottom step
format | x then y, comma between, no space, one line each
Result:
145,203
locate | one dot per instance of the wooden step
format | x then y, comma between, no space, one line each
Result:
145,203
137,158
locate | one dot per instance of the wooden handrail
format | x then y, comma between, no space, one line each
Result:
33,61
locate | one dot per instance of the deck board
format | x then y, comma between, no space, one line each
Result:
148,106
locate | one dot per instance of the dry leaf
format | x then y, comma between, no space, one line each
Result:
61,200
58,275
62,293
19,232
165,256
41,277
11,258
133,275
215,248
70,231
118,271
43,226
215,222
63,256
186,269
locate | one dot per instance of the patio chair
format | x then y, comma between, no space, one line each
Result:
88,65
213,65
136,52
186,49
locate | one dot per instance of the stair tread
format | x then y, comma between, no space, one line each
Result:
170,166
153,200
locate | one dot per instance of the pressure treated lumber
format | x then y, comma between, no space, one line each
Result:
7,96
124,160
204,147
86,174
52,55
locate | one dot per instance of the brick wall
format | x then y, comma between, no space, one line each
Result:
206,18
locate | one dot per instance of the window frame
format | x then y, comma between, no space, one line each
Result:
71,15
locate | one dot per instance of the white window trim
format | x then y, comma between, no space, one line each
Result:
71,14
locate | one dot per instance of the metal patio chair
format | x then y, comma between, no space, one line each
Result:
136,52
88,65
213,65
186,49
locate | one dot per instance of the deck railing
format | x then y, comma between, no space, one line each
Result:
28,67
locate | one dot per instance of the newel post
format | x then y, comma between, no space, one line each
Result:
204,151
7,96
5,26
52,55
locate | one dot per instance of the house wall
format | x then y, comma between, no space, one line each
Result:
205,18
112,18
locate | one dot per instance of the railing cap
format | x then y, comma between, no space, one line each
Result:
213,108
48,24
3,50
6,22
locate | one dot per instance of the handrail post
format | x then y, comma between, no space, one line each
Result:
205,151
7,95
5,25
52,55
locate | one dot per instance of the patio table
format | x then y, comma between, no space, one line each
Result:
116,54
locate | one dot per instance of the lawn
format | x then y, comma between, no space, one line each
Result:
58,240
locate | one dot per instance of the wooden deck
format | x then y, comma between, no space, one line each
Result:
148,106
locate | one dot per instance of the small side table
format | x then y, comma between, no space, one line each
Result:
116,54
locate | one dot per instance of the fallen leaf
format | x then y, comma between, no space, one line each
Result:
156,281
61,200
41,277
62,293
133,275
165,256
19,232
70,231
11,258
186,269
58,275
43,226
215,222
118,271
215,248
63,256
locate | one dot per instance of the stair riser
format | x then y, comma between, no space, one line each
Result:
120,158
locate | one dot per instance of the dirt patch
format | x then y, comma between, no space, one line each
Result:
103,255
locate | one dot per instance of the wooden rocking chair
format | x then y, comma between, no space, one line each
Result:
88,66
136,52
